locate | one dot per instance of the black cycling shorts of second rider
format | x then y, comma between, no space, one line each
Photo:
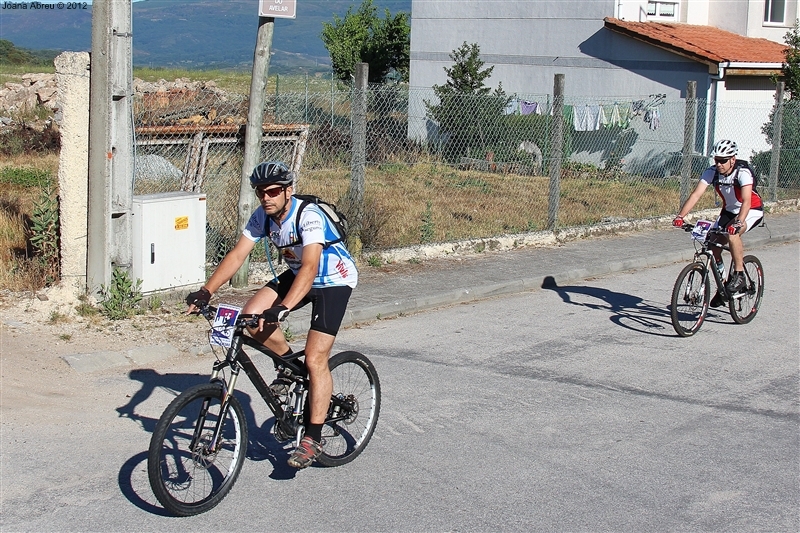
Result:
328,304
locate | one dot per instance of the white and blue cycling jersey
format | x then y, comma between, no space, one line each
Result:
336,266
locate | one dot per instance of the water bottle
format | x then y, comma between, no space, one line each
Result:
720,269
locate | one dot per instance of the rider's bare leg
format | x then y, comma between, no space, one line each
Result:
737,252
318,348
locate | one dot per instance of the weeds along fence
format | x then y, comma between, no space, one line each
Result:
460,167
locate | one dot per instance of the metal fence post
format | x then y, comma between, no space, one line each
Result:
253,132
689,128
775,158
556,151
355,194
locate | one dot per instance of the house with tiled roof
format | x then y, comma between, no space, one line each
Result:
618,50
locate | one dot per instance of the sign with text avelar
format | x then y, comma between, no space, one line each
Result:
285,9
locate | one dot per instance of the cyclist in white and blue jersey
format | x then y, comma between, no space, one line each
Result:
319,273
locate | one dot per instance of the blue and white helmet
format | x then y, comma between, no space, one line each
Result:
271,173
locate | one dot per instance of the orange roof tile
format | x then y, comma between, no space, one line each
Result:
706,44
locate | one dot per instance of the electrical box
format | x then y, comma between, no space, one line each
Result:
169,240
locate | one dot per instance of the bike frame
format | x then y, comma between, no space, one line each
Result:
291,366
705,257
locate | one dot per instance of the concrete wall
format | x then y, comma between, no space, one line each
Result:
72,78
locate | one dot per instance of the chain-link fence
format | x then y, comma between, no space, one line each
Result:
462,167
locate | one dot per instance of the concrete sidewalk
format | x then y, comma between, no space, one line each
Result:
395,289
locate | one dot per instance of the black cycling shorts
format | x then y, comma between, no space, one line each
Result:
754,218
328,304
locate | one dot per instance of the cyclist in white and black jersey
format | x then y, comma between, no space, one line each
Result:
742,207
319,273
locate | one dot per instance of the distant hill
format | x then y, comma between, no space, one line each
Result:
193,33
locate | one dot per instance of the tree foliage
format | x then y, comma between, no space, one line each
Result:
789,167
362,36
791,68
11,55
468,112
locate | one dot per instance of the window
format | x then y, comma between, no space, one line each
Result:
774,11
662,10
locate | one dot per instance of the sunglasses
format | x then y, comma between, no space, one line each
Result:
721,160
272,193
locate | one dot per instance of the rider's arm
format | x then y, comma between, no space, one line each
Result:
309,267
747,197
230,264
693,199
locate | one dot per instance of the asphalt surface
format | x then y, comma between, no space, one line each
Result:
406,286
453,280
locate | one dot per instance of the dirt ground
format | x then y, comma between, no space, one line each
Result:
38,329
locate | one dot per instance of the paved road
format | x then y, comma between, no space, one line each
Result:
570,409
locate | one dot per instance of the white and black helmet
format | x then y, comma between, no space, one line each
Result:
725,148
271,173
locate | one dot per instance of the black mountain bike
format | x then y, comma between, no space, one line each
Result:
199,444
691,294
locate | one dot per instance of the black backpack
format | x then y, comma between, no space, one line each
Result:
335,217
740,163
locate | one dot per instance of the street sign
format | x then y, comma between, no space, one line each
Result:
284,9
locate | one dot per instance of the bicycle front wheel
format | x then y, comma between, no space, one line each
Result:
744,304
351,423
189,473
690,300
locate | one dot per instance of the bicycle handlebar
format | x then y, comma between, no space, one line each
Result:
249,320
687,227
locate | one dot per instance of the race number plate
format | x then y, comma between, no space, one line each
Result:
701,230
223,326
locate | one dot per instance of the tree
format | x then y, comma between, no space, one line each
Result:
364,37
791,68
469,114
789,167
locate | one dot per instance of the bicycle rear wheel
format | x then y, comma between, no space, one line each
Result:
190,479
744,304
355,382
690,300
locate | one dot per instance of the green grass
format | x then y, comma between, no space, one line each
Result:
238,81
25,176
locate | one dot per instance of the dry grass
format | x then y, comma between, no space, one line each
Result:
471,204
17,270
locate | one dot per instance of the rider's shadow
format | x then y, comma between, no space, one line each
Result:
152,380
627,310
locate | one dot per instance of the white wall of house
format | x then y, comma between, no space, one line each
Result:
528,42
745,17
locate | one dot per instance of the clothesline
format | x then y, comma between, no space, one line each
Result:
591,117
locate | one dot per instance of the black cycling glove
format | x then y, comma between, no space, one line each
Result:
199,298
275,314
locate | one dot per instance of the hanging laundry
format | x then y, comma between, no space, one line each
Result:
655,118
580,118
527,108
512,108
593,112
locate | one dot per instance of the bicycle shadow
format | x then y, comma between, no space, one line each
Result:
132,478
628,311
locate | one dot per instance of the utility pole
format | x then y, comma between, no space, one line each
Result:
253,132
110,196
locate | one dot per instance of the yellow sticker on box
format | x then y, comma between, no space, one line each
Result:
182,223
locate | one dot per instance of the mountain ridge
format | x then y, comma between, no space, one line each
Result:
192,33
